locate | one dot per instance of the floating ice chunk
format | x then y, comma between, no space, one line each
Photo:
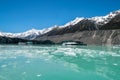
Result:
3,66
38,75
70,54
23,73
27,61
115,64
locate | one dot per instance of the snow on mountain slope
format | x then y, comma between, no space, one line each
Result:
6,34
75,21
104,19
30,34
100,20
33,33
43,31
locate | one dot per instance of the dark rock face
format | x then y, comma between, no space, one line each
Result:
88,32
97,37
113,24
84,25
8,40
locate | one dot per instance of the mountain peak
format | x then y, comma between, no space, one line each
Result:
73,22
98,20
33,29
105,19
116,12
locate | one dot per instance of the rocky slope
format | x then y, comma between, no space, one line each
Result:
9,40
97,37
87,24
103,30
88,31
79,24
113,24
30,34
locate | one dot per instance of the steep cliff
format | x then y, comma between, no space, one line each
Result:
97,37
9,40
100,30
113,24
105,31
110,21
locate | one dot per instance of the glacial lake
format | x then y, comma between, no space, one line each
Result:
56,62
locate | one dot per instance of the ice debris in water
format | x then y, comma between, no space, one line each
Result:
115,64
38,75
3,66
27,61
23,73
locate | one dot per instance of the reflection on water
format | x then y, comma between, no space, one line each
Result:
59,62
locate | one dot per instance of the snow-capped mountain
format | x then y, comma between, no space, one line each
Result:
100,20
73,22
77,24
83,24
104,19
30,34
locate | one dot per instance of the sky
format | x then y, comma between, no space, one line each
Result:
21,15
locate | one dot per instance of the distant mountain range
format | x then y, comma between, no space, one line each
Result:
87,24
108,22
30,34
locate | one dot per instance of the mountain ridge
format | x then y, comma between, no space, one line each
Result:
76,25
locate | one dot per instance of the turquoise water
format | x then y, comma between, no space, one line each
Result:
22,62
